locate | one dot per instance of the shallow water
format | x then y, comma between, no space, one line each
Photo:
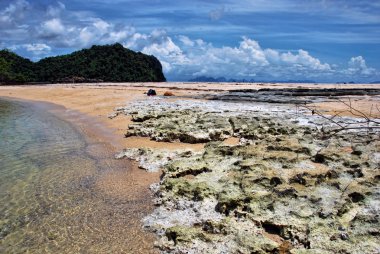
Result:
60,193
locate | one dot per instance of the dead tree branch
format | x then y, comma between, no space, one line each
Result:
362,122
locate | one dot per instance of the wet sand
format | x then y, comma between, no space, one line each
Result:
367,105
119,181
97,101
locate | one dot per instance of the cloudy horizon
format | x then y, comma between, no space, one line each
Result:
321,40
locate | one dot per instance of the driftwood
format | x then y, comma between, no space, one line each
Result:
365,123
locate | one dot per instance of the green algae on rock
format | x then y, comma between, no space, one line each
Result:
283,189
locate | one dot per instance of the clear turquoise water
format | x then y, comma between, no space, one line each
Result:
53,191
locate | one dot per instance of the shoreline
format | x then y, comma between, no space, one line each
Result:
120,179
99,104
196,184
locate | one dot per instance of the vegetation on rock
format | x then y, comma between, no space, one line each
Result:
109,63
284,188
16,69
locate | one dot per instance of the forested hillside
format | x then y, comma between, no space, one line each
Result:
16,69
109,63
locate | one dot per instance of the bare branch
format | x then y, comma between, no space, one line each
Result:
358,113
365,122
316,112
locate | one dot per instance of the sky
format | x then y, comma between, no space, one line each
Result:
264,40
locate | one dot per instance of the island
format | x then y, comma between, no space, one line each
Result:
108,63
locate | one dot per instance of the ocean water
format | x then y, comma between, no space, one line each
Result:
57,190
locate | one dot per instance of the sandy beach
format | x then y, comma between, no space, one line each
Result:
87,110
101,99
97,101
89,106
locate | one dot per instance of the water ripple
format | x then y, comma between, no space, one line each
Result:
52,196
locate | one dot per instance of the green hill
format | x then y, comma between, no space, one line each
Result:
109,63
16,69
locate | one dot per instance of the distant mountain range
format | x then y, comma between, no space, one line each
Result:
223,79
109,63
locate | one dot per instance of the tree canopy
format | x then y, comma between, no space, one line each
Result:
109,63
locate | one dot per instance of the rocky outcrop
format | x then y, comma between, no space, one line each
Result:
182,126
292,95
285,188
197,122
152,160
264,199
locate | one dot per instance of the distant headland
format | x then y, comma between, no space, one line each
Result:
108,63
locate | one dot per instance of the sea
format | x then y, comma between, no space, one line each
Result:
55,190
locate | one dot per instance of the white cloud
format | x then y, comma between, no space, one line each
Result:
101,25
303,58
35,48
252,50
159,44
186,41
196,58
357,63
358,66
51,28
95,31
86,36
118,36
13,13
55,10
38,48
182,57
200,42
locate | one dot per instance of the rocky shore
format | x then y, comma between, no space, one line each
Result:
188,222
284,187
292,95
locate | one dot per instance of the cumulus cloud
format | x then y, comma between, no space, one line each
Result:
93,31
182,57
186,40
36,49
51,28
58,26
358,66
159,44
192,58
101,25
304,59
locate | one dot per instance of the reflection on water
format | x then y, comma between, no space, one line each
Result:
59,196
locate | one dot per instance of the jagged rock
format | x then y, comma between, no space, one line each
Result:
152,160
184,234
284,188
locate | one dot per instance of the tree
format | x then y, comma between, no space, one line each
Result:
112,63
4,70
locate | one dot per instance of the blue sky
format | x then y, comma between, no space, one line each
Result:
321,40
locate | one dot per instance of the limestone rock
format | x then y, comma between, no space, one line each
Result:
284,189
